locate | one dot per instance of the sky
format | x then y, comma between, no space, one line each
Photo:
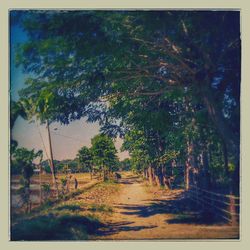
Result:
66,139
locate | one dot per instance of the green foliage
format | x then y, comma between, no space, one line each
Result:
155,58
25,155
61,166
104,153
125,165
231,167
25,159
63,181
55,227
16,109
161,78
136,143
46,191
85,157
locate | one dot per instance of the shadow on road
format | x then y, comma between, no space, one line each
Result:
116,227
130,180
183,210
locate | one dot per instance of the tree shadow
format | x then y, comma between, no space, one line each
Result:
129,180
116,227
196,219
182,209
55,227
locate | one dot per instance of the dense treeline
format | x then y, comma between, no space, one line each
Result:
168,82
87,159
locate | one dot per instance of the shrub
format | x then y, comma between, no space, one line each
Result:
52,227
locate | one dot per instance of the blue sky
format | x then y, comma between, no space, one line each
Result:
66,139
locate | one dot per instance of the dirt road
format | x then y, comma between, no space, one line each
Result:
140,214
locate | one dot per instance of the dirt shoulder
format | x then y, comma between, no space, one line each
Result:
141,212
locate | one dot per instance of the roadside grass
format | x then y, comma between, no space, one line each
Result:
70,207
101,192
55,226
68,218
111,181
101,208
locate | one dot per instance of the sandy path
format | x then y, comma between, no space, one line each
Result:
139,215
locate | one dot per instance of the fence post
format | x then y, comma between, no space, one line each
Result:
212,212
232,210
196,196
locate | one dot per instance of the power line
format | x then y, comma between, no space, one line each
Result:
69,137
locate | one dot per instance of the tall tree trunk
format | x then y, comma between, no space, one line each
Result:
187,175
153,175
231,139
165,178
159,176
150,175
189,165
217,118
206,184
105,176
90,172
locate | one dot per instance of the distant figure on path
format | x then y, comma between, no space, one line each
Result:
117,176
76,183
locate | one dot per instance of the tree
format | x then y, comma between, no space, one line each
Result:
139,61
104,154
85,157
25,159
16,109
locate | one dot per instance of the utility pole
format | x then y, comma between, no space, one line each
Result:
40,182
52,167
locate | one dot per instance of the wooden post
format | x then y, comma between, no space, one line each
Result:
232,210
52,167
40,182
196,196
